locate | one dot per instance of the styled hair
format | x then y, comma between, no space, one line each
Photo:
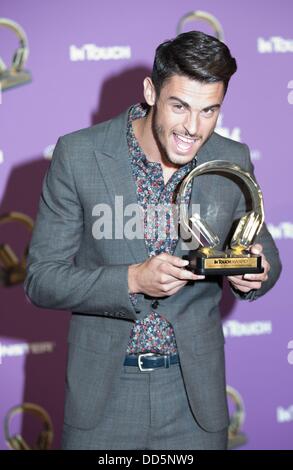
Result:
196,55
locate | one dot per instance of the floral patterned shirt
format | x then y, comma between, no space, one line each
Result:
158,202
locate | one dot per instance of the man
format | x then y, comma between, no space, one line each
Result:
146,356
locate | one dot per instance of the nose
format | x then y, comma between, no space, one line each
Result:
191,124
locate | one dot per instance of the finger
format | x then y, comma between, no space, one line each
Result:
237,283
256,277
256,249
167,288
178,273
168,279
238,280
173,260
176,287
234,278
243,289
174,291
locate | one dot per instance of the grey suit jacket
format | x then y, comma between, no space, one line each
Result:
69,269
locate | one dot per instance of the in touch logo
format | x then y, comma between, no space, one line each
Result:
22,349
282,231
257,328
290,355
234,133
274,44
284,415
290,94
91,52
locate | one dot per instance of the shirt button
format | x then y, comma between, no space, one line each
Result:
155,304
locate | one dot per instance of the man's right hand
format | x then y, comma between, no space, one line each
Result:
160,276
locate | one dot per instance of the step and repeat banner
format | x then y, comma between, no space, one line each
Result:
71,64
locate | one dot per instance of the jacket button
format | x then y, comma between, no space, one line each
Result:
155,304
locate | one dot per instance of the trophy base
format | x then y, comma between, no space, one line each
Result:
226,265
10,79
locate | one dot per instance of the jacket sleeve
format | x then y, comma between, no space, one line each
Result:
265,239
53,280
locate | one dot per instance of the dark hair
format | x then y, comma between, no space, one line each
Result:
194,54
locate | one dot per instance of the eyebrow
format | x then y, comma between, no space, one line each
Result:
187,106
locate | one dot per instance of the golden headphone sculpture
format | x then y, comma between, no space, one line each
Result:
17,442
13,270
208,259
15,75
235,437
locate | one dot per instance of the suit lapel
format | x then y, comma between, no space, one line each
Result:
114,164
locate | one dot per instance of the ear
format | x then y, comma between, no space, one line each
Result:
149,91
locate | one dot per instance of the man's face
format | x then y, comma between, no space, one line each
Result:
184,116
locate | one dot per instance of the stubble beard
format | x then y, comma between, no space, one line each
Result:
158,132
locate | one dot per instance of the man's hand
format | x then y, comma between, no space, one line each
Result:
247,282
159,276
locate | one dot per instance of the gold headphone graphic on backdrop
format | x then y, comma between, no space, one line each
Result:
235,437
17,442
13,270
202,16
15,74
208,259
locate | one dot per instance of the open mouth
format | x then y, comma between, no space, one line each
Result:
184,144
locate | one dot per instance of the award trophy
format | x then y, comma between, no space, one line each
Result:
15,75
13,270
236,438
17,442
202,16
207,259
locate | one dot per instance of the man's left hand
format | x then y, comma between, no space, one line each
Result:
247,282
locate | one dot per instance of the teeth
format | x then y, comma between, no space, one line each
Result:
185,139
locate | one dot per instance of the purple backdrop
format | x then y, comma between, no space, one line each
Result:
67,94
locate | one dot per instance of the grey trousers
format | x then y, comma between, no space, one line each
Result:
149,411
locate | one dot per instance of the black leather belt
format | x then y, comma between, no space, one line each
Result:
151,361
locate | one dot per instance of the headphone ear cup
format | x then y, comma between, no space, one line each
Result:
19,58
8,257
202,232
241,224
17,443
246,230
2,66
8,263
44,440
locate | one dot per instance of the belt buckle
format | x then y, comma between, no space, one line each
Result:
140,356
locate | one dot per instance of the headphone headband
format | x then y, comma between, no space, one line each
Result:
249,225
15,74
205,16
20,33
46,436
